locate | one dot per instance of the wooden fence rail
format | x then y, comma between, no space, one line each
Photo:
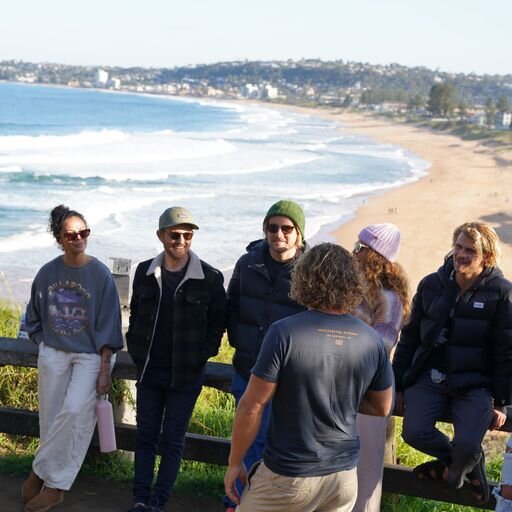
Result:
214,450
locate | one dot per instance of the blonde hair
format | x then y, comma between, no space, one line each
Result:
485,238
327,278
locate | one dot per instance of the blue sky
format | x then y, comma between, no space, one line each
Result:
452,35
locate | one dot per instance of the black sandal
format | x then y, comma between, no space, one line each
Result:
431,470
481,490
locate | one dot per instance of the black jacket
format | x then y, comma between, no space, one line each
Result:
254,303
199,317
479,346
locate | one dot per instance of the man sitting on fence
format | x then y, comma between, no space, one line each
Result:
319,367
454,358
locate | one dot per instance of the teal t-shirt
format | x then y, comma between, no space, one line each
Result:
322,364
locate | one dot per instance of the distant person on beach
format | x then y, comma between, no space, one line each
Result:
177,319
453,359
319,368
385,305
258,295
74,316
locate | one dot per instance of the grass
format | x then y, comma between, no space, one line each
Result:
9,318
213,415
501,140
18,386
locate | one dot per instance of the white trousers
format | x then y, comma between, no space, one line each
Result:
372,436
67,399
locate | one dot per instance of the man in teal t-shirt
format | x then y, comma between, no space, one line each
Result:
320,368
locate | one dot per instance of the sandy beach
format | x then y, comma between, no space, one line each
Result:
466,182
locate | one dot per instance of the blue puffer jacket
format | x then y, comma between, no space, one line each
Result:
254,303
479,346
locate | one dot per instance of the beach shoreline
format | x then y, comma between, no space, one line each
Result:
465,182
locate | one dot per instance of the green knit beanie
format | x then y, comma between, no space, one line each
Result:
288,209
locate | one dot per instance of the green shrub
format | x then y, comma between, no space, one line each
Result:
213,416
9,319
18,386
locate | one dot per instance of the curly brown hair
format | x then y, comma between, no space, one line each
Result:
327,277
380,273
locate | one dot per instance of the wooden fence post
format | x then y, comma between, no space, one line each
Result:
390,448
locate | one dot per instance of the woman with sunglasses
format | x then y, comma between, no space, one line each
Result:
385,307
74,316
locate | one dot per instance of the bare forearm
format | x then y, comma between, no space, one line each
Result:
377,403
245,429
106,358
366,407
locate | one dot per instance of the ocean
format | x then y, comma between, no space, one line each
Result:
121,159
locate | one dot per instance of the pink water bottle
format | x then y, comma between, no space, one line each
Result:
106,431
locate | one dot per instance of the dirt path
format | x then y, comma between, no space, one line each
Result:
92,495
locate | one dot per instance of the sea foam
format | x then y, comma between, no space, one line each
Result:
226,162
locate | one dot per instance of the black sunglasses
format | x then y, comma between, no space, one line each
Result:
174,235
274,228
358,246
71,236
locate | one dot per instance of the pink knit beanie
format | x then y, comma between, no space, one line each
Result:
382,238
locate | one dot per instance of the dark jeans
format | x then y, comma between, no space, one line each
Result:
160,408
471,413
255,451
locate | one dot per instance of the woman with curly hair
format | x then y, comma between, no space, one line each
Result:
75,318
385,307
